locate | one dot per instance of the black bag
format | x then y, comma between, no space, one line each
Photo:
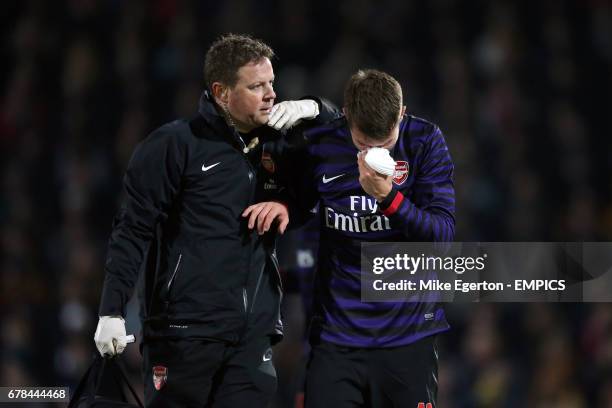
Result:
95,386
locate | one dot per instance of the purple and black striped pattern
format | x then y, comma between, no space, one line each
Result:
422,210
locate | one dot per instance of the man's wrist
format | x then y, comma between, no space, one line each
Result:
384,195
284,204
386,201
106,317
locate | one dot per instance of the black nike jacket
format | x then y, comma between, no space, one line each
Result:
205,274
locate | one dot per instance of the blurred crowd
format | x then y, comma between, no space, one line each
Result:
519,88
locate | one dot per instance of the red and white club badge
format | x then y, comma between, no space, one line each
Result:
160,375
267,162
401,172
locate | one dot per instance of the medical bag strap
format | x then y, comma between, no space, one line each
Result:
94,370
122,378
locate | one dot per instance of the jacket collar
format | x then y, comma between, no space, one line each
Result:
208,110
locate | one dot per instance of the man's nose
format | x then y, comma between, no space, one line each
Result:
270,94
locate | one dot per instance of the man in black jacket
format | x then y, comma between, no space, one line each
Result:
211,285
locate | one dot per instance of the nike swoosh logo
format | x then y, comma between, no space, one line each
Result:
327,180
206,168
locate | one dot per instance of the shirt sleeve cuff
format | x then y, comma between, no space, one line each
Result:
391,203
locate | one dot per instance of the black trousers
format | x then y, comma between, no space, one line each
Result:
345,377
210,374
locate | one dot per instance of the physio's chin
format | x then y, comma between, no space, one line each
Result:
261,119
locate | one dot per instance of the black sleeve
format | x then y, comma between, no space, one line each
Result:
295,171
298,165
152,181
328,111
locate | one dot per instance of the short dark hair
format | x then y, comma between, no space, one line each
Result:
373,100
230,52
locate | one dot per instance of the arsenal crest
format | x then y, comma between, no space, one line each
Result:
401,172
267,162
160,375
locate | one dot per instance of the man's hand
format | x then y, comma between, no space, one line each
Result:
375,184
263,214
110,336
287,114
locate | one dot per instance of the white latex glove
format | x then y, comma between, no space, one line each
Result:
110,335
287,114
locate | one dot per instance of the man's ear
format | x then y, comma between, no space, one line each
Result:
403,111
220,92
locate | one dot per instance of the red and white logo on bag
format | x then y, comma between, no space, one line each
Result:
401,172
160,375
424,405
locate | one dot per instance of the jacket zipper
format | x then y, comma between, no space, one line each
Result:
277,268
245,299
251,175
257,287
279,287
176,268
248,263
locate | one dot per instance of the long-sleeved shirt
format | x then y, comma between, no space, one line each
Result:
420,208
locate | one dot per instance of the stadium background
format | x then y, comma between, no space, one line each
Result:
521,90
